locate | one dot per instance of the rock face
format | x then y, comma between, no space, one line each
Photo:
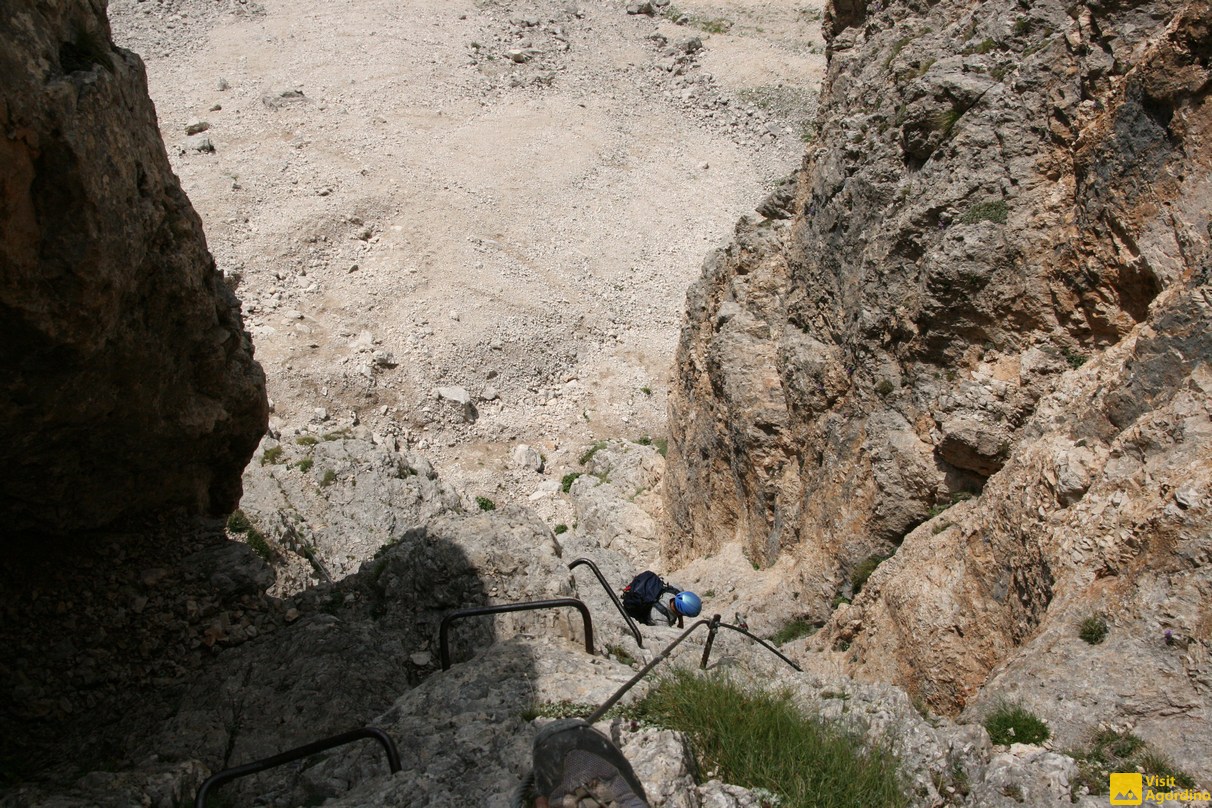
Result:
327,501
1002,193
124,358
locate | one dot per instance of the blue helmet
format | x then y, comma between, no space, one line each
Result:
688,603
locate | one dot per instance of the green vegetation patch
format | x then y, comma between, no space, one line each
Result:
1074,359
568,479
1012,723
621,654
662,446
1110,751
485,504
307,440
758,739
793,631
896,49
272,456
256,540
995,212
238,522
561,529
328,479
939,507
1093,629
945,120
597,447
860,574
982,47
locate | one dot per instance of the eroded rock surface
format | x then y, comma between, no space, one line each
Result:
128,381
326,501
991,301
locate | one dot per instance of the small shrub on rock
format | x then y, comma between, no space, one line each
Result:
1012,723
996,212
793,631
238,522
1093,629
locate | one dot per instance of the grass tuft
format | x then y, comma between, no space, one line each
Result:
1012,723
568,479
945,120
984,46
1093,629
860,574
1110,751
238,522
256,540
793,631
758,739
597,447
486,504
272,456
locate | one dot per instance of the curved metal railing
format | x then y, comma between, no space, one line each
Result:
716,625
713,625
639,639
227,775
444,628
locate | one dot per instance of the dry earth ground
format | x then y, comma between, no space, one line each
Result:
511,198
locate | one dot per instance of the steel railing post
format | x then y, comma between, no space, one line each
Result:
444,628
618,604
235,773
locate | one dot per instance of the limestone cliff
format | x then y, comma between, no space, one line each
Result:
127,383
988,294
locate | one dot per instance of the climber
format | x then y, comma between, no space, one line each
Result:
647,592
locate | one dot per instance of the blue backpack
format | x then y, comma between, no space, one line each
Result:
644,590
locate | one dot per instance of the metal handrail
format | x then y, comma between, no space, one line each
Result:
716,625
218,779
618,694
713,624
444,628
639,639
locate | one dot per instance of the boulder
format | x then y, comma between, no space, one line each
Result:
127,381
